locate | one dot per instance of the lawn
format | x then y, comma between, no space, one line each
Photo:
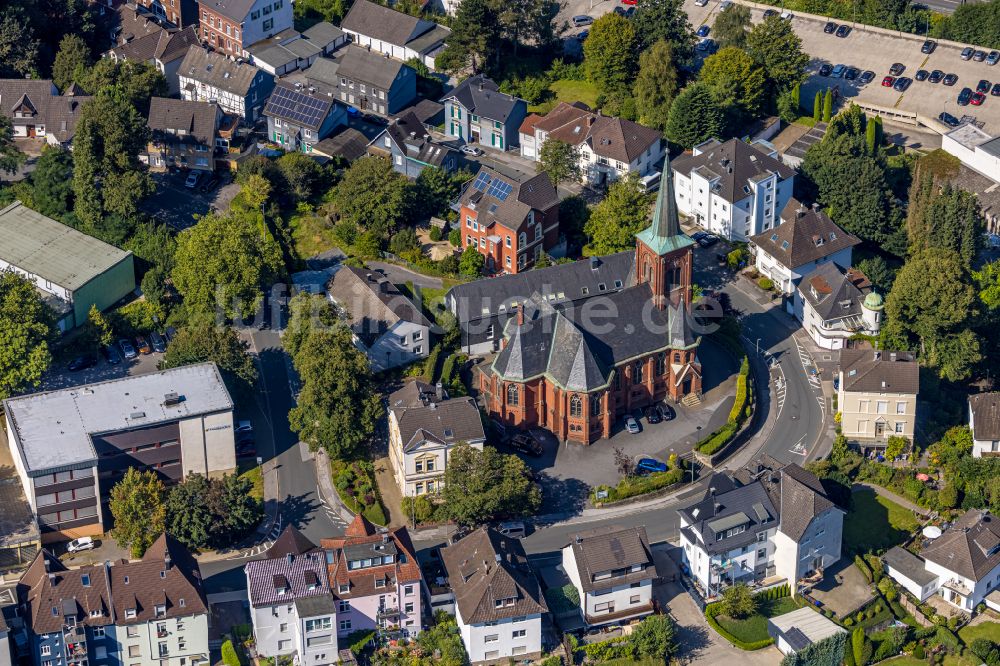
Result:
987,630
875,523
754,628
311,235
567,90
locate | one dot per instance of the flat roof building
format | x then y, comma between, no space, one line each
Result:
71,446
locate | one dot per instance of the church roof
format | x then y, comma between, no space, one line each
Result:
664,234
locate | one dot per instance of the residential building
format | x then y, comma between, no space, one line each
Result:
984,422
767,522
411,148
180,13
878,395
366,81
239,88
805,239
292,610
298,119
148,612
498,600
71,270
183,134
975,148
141,37
596,369
37,110
612,569
962,566
70,446
424,426
348,144
231,26
284,53
834,304
327,36
375,580
478,113
797,630
733,189
387,326
511,218
395,34
608,147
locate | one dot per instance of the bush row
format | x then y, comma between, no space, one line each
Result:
737,415
712,610
639,485
718,439
742,392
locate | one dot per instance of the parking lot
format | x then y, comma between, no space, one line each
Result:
177,205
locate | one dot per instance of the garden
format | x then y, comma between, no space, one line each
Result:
874,523
741,616
652,641
356,487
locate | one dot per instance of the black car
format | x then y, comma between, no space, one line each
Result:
158,342
843,31
950,79
526,444
902,83
830,27
866,77
921,75
948,119
964,96
983,86
708,240
666,411
698,235
770,12
170,333
653,415
896,69
82,363
112,354
935,76
996,90
928,46
825,69
851,73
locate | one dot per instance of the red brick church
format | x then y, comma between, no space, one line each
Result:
575,370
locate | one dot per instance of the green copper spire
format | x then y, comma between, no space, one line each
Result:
664,234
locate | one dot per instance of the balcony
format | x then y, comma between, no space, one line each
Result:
387,611
162,633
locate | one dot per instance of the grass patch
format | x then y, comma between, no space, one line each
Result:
256,476
875,523
311,235
754,628
624,661
569,91
565,599
987,630
805,121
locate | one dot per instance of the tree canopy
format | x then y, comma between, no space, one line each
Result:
372,195
212,513
71,62
695,116
26,333
609,54
665,20
738,83
614,222
137,505
731,26
560,160
655,85
486,485
774,46
945,217
203,341
10,156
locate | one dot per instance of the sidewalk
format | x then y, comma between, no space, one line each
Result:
889,495
327,492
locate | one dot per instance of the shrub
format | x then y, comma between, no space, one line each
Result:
765,283
918,652
435,234
229,655
736,413
357,640
718,439
860,563
639,485
713,610
848,622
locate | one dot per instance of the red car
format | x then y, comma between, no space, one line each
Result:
629,2
888,82
977,99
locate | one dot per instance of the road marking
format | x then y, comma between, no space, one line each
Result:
799,447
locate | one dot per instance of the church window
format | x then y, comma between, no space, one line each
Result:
677,357
513,397
661,363
637,373
595,404
575,406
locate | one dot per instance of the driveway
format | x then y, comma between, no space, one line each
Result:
177,205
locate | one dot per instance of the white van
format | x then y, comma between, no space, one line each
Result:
514,529
649,183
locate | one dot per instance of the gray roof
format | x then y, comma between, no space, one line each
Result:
216,70
985,415
970,547
413,140
300,576
298,106
54,428
324,33
562,285
481,95
511,207
364,65
387,25
834,292
908,565
805,235
58,113
486,567
429,419
349,143
234,9
179,120
802,499
735,163
612,549
805,626
142,37
372,301
876,371
607,136
303,48
324,73
60,254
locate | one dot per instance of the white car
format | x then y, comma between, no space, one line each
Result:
700,3
83,543
244,426
192,180
471,150
632,425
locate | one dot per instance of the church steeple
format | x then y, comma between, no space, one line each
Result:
664,234
663,254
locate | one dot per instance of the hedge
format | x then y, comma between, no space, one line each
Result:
742,393
718,439
861,564
639,485
357,640
229,655
615,648
714,609
430,364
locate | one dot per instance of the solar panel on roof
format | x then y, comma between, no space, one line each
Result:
482,180
499,190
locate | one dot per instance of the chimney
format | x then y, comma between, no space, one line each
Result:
439,390
579,539
715,508
48,565
878,355
520,314
802,210
815,207
166,561
289,557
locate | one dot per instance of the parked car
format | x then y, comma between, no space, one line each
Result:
708,240
977,99
888,82
471,150
112,354
967,53
770,12
928,46
787,15
838,71
698,235
209,184
996,90
514,529
142,345
192,179
843,31
81,543
650,466
82,362
935,76
170,333
127,349
979,56
965,96
158,343
950,79
983,86
703,31
825,69
246,448
582,37
897,68
243,426
851,73
948,119
652,415
902,83
707,45
993,58
921,75
582,20
666,411
866,77
524,443
632,425
830,27
700,3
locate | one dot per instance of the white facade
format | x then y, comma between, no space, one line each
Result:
280,631
208,444
982,447
975,148
178,641
920,591
785,278
732,566
402,344
397,51
502,640
238,105
615,599
258,25
960,591
594,168
815,550
420,470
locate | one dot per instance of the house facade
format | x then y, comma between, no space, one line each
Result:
613,570
394,34
499,603
509,220
878,395
142,37
231,26
239,88
298,119
411,148
834,304
366,81
733,189
386,325
37,110
183,134
180,13
424,426
476,112
984,423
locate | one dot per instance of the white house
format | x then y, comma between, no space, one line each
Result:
291,607
877,397
765,522
424,427
975,148
239,88
804,239
387,326
498,600
833,304
984,422
393,33
36,109
962,566
612,568
733,189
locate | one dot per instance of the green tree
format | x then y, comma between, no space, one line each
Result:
10,156
229,656
302,173
97,329
731,26
528,21
655,85
474,40
435,189
72,61
154,245
945,217
203,341
861,647
136,82
52,182
738,601
305,312
695,116
774,46
485,485
895,446
987,281
655,637
212,513
137,505
878,271
404,240
338,406
18,46
472,262
610,54
614,222
444,641
26,333
664,20
560,160
372,195
818,106
736,81
226,263
827,106
312,11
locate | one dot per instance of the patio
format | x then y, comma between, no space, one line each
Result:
843,589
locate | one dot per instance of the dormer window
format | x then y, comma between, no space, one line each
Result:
637,567
96,613
344,588
129,612
160,610
85,580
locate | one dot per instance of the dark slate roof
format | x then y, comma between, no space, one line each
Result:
735,163
561,284
486,567
876,371
970,547
372,301
324,33
197,120
142,38
349,143
481,95
216,70
805,235
385,24
607,136
909,565
664,234
290,542
414,141
834,292
611,548
301,576
986,415
422,417
167,574
526,193
48,595
730,506
59,113
373,68
298,106
802,499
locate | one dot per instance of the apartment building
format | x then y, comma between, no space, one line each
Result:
298,118
984,422
180,13
411,148
834,304
182,134
231,26
142,37
366,81
239,88
478,113
878,395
